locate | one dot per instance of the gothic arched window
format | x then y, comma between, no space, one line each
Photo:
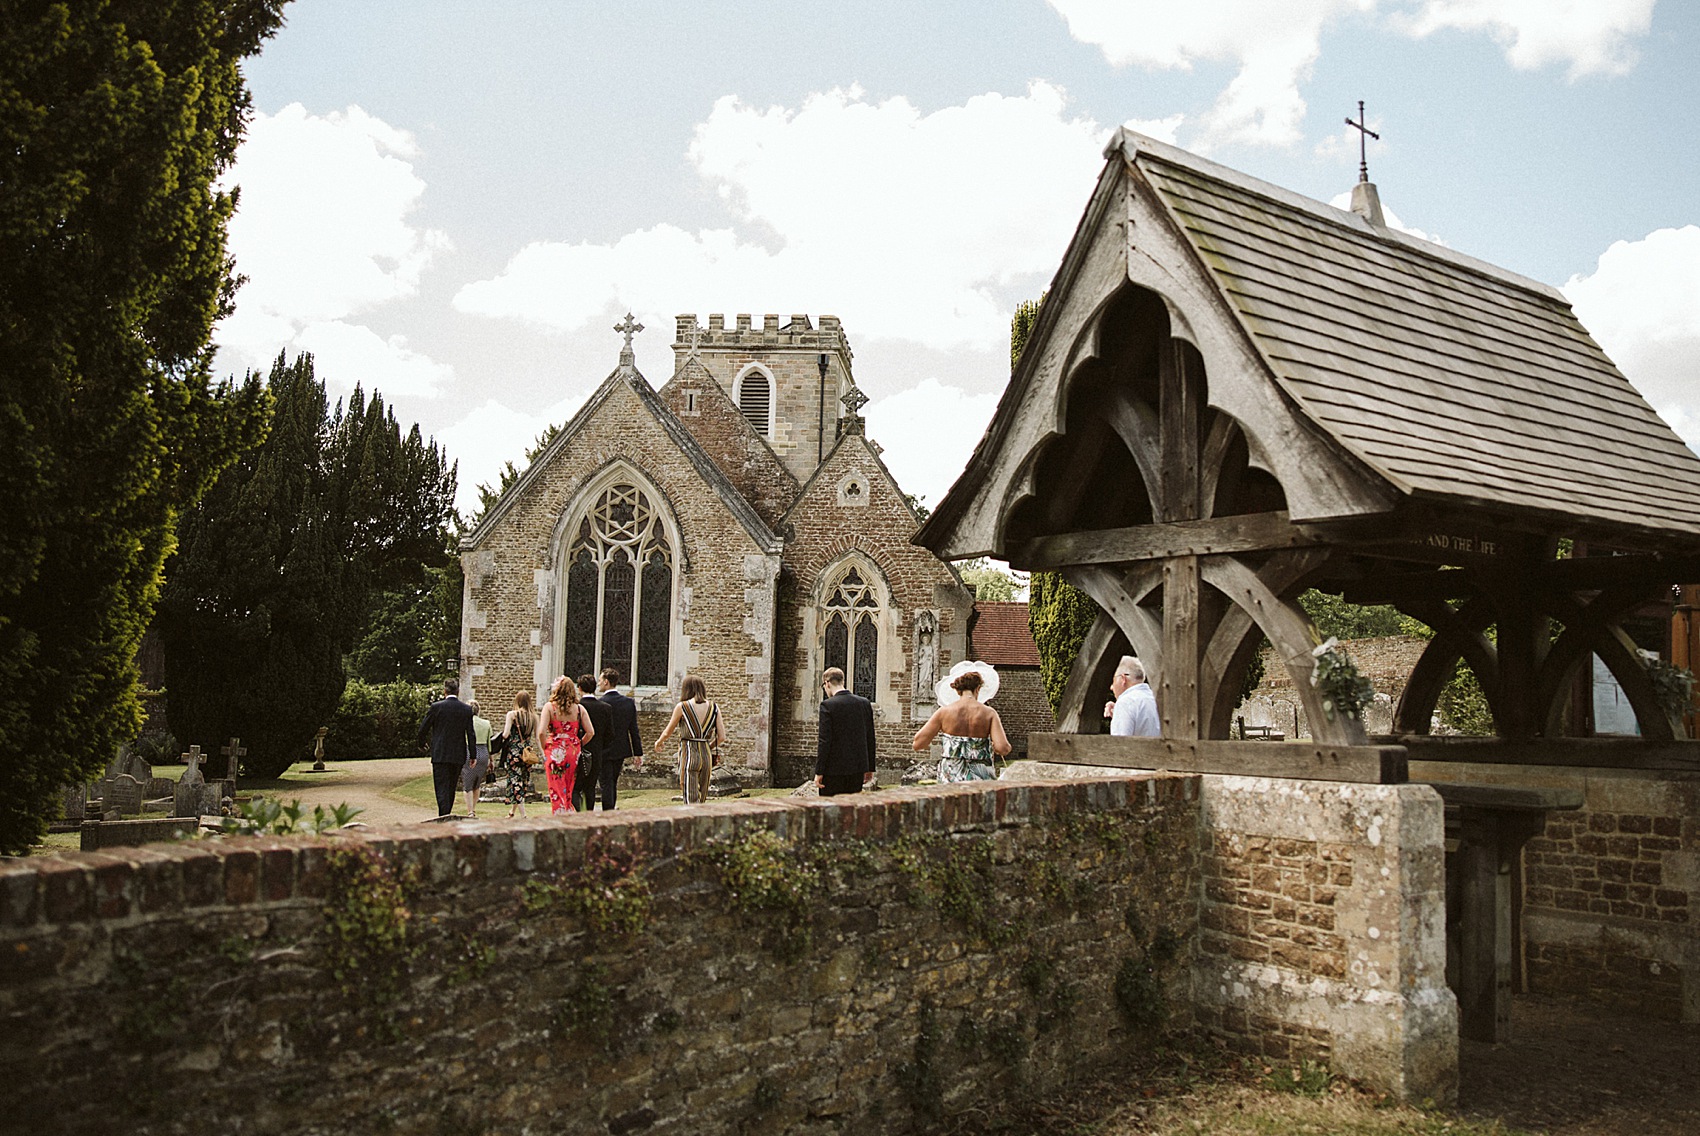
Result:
851,642
619,602
755,399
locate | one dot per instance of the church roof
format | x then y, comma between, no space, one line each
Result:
1448,376
704,465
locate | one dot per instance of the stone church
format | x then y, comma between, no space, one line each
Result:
738,524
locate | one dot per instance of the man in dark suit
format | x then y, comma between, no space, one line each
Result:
845,761
623,738
448,728
590,761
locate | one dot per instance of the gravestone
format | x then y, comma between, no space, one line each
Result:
158,787
123,793
186,795
139,768
76,800
233,752
214,793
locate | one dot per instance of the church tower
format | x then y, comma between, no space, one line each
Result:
786,379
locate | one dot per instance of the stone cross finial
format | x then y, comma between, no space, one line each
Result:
193,760
694,340
1364,135
854,400
628,327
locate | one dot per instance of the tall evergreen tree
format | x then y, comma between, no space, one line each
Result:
273,580
116,118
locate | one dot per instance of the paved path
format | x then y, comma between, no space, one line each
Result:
362,784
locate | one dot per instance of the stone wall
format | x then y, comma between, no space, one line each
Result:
1387,662
749,966
1323,926
1611,891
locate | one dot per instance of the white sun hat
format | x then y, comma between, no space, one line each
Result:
988,682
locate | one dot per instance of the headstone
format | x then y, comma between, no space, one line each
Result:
158,787
76,798
233,752
124,793
139,768
186,795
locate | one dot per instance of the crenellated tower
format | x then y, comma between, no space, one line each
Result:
786,378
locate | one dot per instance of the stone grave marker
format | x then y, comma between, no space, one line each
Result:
139,768
186,795
76,801
158,787
124,793
233,752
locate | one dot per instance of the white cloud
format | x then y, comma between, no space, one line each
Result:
1642,304
1273,44
322,233
928,433
1592,36
903,223
493,434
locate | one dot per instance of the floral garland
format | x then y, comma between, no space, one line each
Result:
1344,689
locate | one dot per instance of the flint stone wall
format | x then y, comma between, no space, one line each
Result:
1322,926
958,945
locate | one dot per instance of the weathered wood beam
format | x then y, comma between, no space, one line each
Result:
1081,707
1247,532
1181,385
1136,424
1457,635
1223,431
1288,630
1122,598
1237,637
1177,692
1584,624
1365,764
1570,753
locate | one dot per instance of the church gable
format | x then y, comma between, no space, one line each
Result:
702,407
862,597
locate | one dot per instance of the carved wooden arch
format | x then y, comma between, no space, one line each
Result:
1602,632
1458,634
1094,665
1238,637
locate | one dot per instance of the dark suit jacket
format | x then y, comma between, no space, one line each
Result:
602,721
846,736
623,739
448,727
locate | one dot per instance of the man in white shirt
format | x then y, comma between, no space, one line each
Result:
1133,714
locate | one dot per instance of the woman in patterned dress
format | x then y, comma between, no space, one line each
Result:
565,728
971,733
519,732
704,734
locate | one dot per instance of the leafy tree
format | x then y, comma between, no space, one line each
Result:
273,580
1332,615
991,584
412,630
116,120
1059,615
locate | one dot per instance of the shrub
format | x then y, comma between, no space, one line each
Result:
377,720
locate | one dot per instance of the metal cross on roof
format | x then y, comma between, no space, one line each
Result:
628,327
1364,134
854,400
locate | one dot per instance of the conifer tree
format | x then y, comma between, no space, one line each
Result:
116,118
272,582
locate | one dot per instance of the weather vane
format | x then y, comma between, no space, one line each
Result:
1364,134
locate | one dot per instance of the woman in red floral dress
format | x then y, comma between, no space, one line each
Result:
564,730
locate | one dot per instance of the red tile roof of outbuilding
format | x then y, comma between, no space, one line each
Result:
1000,636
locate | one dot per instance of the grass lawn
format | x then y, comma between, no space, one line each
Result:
420,791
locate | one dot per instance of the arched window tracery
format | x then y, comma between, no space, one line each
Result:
851,639
619,583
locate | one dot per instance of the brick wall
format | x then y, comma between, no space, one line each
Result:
1022,705
1387,662
713,419
1612,890
953,947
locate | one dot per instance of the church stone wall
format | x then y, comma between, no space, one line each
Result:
827,530
723,619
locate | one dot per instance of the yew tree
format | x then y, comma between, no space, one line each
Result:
116,119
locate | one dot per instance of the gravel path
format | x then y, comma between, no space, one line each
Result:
363,784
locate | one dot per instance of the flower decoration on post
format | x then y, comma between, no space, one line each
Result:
1344,689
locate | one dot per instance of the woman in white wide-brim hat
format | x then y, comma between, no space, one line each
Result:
970,731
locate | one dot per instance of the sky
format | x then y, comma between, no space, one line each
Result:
453,203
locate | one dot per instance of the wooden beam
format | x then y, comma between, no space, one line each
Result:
1088,686
1122,599
1181,386
1236,637
1571,753
1223,431
1247,532
1370,765
1177,692
1136,424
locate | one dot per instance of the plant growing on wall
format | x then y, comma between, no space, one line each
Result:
1344,690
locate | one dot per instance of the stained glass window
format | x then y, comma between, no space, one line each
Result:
851,639
617,615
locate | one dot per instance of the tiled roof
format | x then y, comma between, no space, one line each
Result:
1000,636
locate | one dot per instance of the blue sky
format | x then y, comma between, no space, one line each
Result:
454,202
